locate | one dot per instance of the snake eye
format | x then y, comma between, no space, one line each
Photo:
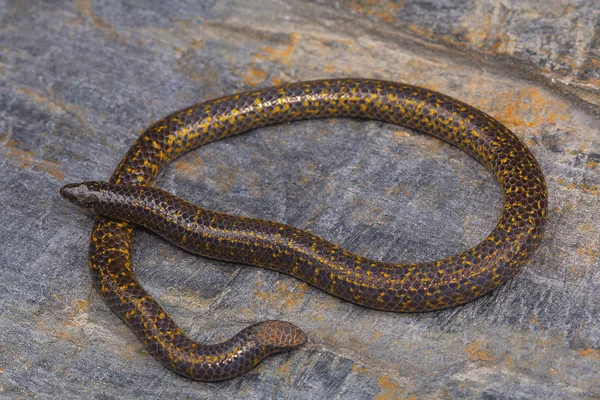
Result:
90,201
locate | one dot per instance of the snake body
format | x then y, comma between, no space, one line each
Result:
384,286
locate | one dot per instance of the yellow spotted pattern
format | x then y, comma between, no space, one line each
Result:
401,288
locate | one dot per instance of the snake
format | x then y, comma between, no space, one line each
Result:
128,199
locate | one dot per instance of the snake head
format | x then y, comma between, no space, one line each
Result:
84,194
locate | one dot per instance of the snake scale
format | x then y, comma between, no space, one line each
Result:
384,286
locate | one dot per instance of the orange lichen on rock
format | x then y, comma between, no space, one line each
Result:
390,390
27,159
291,299
477,351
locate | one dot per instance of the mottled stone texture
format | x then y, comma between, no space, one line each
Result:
79,81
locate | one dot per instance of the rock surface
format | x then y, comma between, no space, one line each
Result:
78,83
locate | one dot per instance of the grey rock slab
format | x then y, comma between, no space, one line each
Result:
556,41
79,81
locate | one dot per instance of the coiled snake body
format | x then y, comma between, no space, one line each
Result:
384,286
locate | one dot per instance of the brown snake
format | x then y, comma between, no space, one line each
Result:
384,286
